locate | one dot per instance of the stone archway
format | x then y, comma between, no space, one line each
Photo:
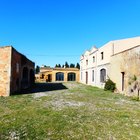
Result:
71,76
59,76
102,75
32,77
25,78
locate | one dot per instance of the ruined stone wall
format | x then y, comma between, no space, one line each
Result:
5,70
22,72
16,71
127,62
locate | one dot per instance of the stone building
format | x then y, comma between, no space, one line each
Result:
58,74
16,71
118,60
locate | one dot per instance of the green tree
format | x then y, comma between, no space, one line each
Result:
78,65
62,66
59,65
37,69
72,65
66,65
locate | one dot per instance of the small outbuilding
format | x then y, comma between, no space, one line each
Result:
16,71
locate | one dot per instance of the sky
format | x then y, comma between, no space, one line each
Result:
52,32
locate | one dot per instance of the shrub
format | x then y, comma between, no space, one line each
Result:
134,78
110,85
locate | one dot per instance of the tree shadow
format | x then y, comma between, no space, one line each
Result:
42,87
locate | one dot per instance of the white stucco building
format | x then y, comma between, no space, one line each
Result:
99,64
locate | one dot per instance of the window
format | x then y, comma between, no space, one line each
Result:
93,59
92,75
102,75
102,55
86,62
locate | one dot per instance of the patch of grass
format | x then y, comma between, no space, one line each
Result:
78,113
134,98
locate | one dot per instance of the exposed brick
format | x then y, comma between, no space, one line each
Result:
11,71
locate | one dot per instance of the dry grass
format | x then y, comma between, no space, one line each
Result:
79,112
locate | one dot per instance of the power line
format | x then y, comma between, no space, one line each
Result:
57,55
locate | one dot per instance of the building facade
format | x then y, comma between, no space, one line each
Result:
118,60
58,74
16,71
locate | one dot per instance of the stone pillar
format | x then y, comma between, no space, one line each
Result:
65,76
53,76
5,70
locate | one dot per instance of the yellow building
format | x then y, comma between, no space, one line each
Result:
58,74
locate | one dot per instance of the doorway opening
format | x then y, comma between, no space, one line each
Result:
123,73
86,77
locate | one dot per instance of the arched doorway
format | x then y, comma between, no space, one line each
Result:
32,77
49,77
24,82
42,76
17,84
102,75
71,76
60,76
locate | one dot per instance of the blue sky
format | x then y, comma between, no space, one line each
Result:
54,31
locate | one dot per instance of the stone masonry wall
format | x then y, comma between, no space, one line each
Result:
16,71
127,62
5,68
22,72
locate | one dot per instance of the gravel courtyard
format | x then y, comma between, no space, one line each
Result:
69,111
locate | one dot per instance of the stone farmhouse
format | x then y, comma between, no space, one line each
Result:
58,74
118,60
16,71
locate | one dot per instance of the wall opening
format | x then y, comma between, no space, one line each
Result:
86,77
60,76
92,75
102,55
17,84
32,78
42,76
49,77
71,76
86,62
93,59
102,75
24,82
123,73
